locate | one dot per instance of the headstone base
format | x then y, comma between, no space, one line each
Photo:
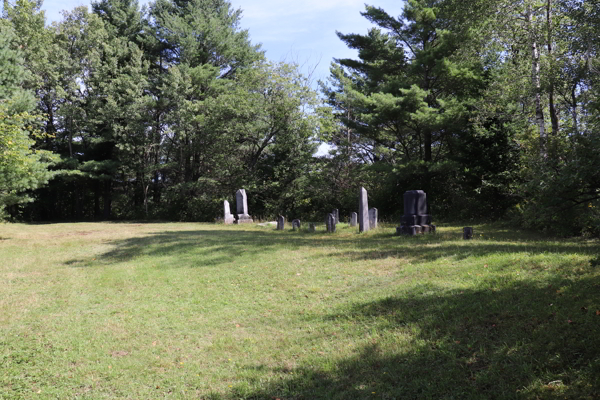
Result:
413,230
416,219
243,219
229,219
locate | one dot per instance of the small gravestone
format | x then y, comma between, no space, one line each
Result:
416,218
280,223
467,233
311,228
353,219
373,214
241,203
363,210
330,222
227,217
336,214
296,224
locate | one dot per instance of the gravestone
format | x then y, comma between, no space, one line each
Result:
373,215
363,210
336,214
280,223
227,217
353,219
330,222
296,224
467,232
241,203
311,228
416,218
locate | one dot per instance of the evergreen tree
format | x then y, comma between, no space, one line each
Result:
22,168
408,107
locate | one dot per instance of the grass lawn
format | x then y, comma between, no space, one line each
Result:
204,311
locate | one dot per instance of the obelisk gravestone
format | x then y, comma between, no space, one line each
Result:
363,211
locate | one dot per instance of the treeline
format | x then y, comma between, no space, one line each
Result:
490,106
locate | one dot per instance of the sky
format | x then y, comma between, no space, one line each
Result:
294,31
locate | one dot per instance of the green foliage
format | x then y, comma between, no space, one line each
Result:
22,168
562,194
164,111
410,108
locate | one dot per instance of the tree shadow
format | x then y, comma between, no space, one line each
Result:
518,340
221,246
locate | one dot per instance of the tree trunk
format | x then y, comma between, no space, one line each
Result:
551,106
535,79
78,209
107,199
427,144
96,199
574,109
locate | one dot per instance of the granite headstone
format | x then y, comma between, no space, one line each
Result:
373,215
363,210
296,224
416,218
330,223
353,219
227,217
241,203
280,223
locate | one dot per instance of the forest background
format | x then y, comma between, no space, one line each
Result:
163,112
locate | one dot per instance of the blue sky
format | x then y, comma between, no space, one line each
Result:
295,31
299,31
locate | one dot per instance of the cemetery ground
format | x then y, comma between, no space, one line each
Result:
205,311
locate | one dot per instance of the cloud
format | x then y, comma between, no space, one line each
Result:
271,10
303,31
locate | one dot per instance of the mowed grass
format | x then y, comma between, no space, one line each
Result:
204,311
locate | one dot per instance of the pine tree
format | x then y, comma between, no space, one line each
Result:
21,167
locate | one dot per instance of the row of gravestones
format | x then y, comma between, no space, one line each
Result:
416,218
367,218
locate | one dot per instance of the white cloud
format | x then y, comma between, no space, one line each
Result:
299,31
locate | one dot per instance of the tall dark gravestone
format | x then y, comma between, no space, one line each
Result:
416,218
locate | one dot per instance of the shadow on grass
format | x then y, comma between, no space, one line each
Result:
216,246
521,341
